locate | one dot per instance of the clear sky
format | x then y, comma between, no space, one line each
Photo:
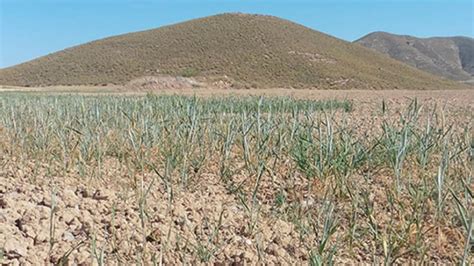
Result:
32,28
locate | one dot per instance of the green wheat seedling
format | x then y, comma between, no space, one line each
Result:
466,215
414,170
206,250
324,254
97,253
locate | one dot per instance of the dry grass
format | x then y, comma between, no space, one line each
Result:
248,50
179,179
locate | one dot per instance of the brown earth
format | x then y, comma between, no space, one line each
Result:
46,215
459,97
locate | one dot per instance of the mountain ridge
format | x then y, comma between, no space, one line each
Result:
450,57
252,50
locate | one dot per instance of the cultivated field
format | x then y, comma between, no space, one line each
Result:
280,177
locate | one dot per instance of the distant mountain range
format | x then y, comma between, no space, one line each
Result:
246,50
449,57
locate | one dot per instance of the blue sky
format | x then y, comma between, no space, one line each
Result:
32,28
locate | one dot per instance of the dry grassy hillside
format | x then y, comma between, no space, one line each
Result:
450,57
250,50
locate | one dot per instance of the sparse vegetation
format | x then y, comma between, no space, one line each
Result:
189,72
253,51
449,57
174,179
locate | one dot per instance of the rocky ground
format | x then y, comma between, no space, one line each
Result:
47,220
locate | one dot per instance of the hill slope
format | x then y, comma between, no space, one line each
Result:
450,57
262,51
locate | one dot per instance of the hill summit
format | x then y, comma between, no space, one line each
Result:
253,50
450,57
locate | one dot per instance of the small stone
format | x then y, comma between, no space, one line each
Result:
14,249
29,231
70,198
41,237
68,236
248,242
68,216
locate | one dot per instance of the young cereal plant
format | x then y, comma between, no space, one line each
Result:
142,207
206,251
323,254
440,179
253,207
466,215
98,254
